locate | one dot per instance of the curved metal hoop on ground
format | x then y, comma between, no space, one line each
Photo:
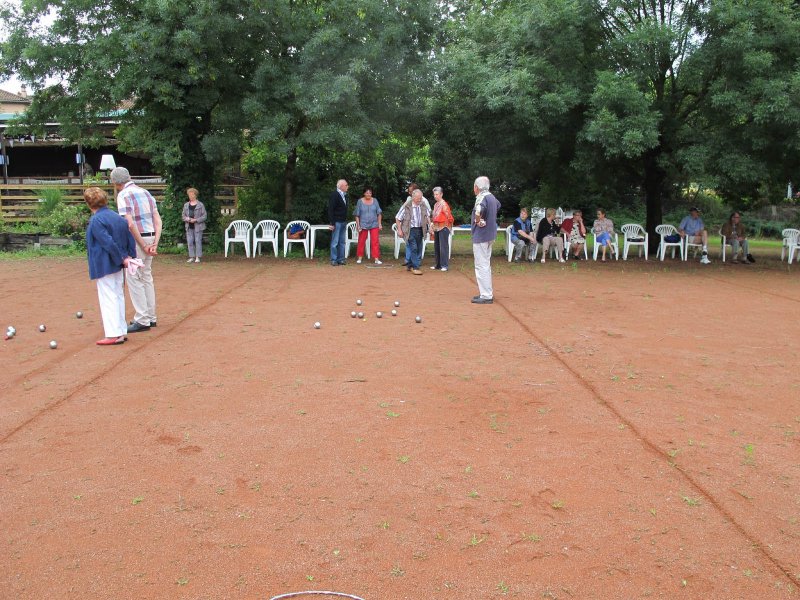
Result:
316,593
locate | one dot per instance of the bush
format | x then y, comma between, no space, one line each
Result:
50,200
66,220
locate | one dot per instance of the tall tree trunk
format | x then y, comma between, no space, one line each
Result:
289,180
654,178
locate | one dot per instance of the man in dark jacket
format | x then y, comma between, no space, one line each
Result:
337,222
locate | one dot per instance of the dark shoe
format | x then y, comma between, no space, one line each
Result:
476,298
405,264
137,327
342,262
152,323
408,268
111,341
750,258
479,300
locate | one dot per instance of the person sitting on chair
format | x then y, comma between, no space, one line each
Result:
548,233
693,230
522,237
737,238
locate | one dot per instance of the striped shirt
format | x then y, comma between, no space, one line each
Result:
138,203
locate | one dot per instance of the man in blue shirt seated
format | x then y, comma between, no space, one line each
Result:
694,231
522,238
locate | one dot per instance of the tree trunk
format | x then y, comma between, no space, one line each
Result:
654,178
289,180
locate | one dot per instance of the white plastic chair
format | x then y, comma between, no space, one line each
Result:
238,232
265,232
723,241
687,243
352,238
303,240
793,246
633,232
787,237
397,241
663,231
614,245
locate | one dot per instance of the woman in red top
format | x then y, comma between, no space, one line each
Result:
442,221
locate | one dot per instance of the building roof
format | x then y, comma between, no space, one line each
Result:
13,98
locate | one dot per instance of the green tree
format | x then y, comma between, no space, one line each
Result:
181,67
338,77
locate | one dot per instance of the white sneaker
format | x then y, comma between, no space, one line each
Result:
444,269
358,262
433,268
191,259
704,260
197,260
377,262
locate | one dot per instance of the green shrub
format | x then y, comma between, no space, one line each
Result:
66,220
50,199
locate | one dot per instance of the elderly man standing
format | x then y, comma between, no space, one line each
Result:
413,221
484,233
337,222
144,222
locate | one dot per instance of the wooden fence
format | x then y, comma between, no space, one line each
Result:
19,201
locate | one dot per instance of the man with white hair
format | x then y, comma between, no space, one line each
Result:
337,222
139,208
484,233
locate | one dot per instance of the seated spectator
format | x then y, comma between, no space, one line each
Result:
604,233
522,237
737,238
548,233
575,229
693,229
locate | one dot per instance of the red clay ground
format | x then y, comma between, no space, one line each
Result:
627,430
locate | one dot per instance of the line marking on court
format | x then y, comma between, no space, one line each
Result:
648,445
123,356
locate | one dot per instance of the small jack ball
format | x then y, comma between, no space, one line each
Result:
79,314
42,328
418,319
397,302
53,344
359,302
354,314
394,313
379,314
317,325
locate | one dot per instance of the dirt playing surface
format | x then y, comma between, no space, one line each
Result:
623,430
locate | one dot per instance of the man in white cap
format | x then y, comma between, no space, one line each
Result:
139,208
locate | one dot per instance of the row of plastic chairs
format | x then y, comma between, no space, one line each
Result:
267,231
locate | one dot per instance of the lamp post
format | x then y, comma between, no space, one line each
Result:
106,164
4,158
80,159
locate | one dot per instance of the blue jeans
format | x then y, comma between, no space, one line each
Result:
604,239
408,254
338,238
415,244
